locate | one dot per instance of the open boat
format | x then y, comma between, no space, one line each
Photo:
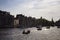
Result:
26,32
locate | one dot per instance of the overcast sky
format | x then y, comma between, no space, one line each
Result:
36,8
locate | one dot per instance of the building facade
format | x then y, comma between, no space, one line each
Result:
16,23
6,20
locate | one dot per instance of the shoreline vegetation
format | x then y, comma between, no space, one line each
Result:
21,21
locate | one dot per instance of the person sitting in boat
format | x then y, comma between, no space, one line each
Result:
26,32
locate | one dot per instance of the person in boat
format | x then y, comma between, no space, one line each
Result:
24,32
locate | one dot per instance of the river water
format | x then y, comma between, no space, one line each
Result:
16,34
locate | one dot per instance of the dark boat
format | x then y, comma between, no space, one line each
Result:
26,32
48,27
58,26
39,29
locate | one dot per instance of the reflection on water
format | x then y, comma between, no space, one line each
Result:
16,34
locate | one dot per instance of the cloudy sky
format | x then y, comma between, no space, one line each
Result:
36,8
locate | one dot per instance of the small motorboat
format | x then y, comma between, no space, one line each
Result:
48,27
26,32
39,29
58,26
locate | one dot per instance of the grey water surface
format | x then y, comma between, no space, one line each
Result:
16,34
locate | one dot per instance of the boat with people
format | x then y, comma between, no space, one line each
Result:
39,27
26,32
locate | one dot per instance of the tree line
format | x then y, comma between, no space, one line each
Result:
33,22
